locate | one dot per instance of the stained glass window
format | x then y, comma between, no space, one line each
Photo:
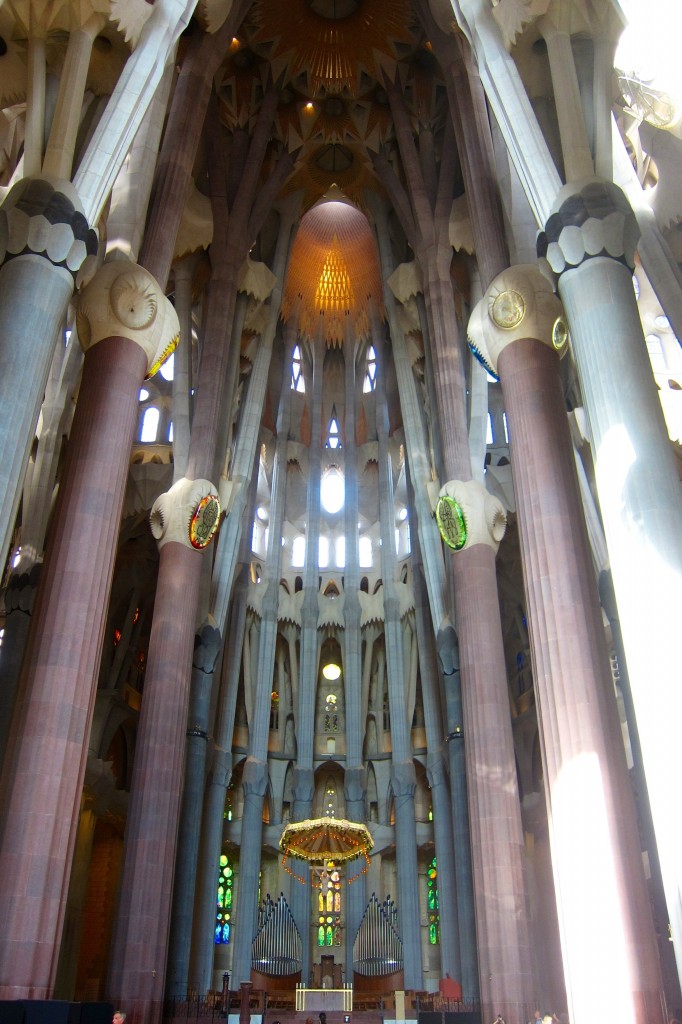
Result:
432,903
329,907
223,925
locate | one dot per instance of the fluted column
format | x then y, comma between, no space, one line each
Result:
450,960
183,521
589,242
593,828
124,322
62,142
308,669
436,587
497,849
403,775
220,773
355,778
44,240
182,376
254,782
207,647
555,28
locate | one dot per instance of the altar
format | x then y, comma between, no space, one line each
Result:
317,1000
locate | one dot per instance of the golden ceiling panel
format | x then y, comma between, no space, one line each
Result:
333,273
334,46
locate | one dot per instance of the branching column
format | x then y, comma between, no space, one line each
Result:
432,556
403,776
355,779
589,242
256,763
503,930
303,785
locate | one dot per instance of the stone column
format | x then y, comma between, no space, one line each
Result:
62,142
44,240
436,586
124,322
593,827
450,960
183,521
589,242
555,28
309,657
220,773
207,647
494,812
403,775
255,783
355,777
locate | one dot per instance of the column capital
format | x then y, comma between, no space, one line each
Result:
255,777
590,218
207,647
303,786
403,778
483,516
189,514
355,784
43,216
520,303
124,301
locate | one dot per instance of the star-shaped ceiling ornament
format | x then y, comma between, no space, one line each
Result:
333,40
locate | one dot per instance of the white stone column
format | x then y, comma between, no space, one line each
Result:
589,242
62,142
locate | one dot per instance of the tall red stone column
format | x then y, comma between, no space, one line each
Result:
124,323
183,522
608,941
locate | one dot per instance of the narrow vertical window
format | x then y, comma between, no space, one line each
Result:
333,433
297,380
432,903
370,381
224,902
150,425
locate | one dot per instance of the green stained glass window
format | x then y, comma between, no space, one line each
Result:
432,903
223,923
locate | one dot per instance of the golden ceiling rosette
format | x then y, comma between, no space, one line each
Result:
314,38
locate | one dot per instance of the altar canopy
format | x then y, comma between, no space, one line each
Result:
318,840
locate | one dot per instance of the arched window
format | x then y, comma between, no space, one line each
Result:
297,380
365,552
432,903
298,552
332,490
223,925
371,376
341,552
150,425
